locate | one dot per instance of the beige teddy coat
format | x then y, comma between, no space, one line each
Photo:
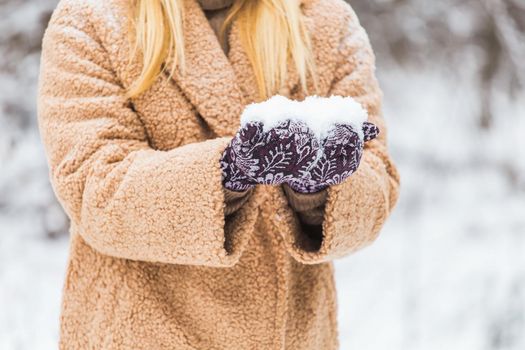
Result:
155,263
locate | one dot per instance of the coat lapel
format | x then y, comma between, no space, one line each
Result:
243,69
218,85
209,82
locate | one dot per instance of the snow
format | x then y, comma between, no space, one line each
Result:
447,271
321,114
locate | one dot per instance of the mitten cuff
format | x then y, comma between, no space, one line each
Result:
234,200
304,201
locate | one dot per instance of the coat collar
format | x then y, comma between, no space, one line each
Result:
218,85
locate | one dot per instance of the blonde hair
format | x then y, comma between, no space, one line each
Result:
272,31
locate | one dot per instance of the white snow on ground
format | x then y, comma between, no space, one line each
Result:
447,272
32,264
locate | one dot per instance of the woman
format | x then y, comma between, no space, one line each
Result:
135,125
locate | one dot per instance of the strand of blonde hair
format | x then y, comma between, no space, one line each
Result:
272,32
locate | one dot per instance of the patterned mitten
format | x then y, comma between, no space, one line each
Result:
342,150
272,157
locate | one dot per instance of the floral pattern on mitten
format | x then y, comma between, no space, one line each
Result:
273,157
341,155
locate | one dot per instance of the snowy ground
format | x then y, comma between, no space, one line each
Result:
448,271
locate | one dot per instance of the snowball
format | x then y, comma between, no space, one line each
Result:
319,113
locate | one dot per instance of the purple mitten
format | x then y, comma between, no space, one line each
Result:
255,156
342,150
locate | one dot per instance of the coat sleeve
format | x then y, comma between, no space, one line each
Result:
356,209
125,198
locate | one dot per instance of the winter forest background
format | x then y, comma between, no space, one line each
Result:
448,271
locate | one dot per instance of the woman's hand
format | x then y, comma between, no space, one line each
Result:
273,157
342,150
290,153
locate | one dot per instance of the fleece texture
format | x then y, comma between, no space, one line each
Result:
155,261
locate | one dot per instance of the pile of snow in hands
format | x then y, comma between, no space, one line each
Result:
321,114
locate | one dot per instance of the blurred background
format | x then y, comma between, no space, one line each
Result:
448,271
